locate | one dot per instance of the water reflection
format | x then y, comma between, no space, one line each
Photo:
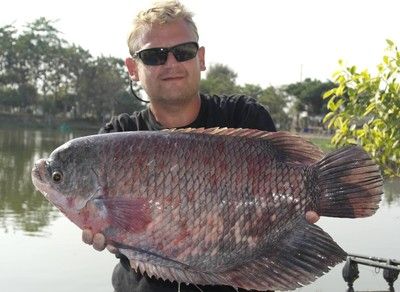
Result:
392,191
21,207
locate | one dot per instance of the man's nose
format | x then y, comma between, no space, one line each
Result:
171,60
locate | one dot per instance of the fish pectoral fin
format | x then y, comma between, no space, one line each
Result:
129,214
298,259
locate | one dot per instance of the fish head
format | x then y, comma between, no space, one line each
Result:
67,178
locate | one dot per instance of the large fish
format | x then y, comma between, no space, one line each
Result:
212,206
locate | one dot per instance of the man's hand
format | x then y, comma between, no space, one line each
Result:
97,240
312,217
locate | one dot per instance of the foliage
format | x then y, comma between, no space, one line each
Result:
42,73
275,100
365,109
309,94
220,79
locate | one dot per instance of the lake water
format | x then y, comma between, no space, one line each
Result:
40,250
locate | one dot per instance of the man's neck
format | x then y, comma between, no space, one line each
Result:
176,115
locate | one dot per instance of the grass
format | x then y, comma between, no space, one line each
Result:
323,142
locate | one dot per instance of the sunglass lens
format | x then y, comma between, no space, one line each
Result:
153,57
185,52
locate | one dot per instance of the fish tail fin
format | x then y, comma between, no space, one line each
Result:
350,184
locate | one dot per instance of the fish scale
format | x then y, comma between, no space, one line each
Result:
211,173
212,206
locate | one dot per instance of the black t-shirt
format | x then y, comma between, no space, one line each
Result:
235,111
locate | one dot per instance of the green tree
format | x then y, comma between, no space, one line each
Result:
309,95
38,67
7,54
276,100
365,109
220,79
31,63
39,47
109,86
78,84
254,91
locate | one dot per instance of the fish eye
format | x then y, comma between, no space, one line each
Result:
57,176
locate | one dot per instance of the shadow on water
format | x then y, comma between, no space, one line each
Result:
21,207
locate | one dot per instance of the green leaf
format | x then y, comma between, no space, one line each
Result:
390,42
327,117
352,69
329,93
386,60
351,141
369,109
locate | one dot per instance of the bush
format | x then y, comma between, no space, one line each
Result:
365,110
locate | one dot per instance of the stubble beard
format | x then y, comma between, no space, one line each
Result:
173,100
175,97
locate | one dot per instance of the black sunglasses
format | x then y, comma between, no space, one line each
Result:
159,56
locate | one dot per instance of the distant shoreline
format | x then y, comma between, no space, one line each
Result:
29,121
22,120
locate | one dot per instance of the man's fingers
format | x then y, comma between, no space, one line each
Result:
312,217
112,249
87,236
99,242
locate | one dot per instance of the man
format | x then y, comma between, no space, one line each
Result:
167,60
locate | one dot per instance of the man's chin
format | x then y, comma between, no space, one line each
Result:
175,98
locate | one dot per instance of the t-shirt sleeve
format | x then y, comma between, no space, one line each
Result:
253,115
120,123
259,118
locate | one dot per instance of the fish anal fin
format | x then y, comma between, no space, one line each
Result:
302,255
131,214
305,254
174,271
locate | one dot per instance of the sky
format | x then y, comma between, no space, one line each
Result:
269,42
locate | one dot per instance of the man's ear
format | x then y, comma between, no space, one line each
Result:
201,54
131,65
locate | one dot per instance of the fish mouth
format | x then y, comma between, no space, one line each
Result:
40,179
38,175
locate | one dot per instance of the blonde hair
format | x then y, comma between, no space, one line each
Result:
161,12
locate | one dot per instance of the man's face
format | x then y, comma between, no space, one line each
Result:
173,81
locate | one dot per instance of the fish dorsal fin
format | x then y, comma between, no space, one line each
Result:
287,146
